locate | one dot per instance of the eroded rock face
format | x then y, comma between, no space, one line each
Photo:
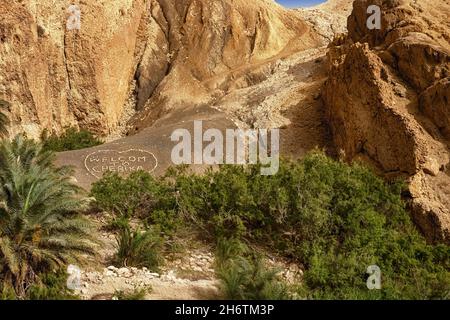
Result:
387,100
177,52
53,76
215,47
435,104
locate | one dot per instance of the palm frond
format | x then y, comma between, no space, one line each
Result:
39,230
3,118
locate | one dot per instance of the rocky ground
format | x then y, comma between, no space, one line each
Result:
187,275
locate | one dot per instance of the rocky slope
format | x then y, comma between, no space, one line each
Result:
159,54
148,66
216,48
387,100
266,89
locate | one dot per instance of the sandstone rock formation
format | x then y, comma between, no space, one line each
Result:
387,100
160,53
275,84
215,47
54,76
153,65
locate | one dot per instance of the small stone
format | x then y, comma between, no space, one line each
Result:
431,167
110,273
124,272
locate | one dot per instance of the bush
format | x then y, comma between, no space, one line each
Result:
333,218
71,139
137,294
138,195
7,292
139,249
244,275
53,286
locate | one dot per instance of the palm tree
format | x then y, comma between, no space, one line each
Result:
3,119
39,227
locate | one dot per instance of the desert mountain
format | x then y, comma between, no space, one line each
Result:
146,67
133,55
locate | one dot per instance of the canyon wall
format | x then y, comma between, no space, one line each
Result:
158,54
387,101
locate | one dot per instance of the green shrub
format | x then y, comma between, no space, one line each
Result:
137,294
138,195
229,248
53,286
7,292
244,275
71,139
333,218
139,248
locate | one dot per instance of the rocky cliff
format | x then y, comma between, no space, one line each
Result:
54,76
131,55
387,100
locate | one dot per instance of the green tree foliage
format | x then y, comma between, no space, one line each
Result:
333,218
139,248
40,230
244,275
3,119
71,139
138,195
52,286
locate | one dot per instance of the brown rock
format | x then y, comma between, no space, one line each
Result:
55,77
387,100
179,52
435,104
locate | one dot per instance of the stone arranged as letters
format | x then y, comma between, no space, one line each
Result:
121,162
